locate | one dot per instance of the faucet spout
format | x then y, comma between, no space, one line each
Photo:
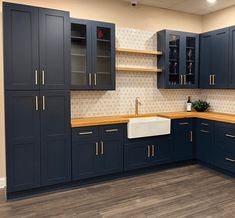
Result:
137,103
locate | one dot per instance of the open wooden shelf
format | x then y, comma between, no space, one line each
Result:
138,69
136,51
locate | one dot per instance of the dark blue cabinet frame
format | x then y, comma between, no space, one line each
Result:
163,81
92,77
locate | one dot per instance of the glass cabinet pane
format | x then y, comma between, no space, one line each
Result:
190,60
103,56
78,54
174,56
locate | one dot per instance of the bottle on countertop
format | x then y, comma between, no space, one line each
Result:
189,105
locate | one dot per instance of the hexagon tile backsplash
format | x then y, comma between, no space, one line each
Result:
130,85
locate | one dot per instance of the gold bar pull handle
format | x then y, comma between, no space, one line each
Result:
153,150
43,103
96,148
181,79
210,80
89,75
185,123
102,147
204,131
185,81
36,103
230,160
214,79
230,136
191,136
148,151
43,77
111,130
95,79
85,133
36,77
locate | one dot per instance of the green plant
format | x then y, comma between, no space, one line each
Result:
200,105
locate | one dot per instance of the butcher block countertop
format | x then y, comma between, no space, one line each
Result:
118,119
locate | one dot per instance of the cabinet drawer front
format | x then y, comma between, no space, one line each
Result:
111,132
85,133
205,125
183,122
227,161
225,136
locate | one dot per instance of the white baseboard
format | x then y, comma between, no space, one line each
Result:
2,182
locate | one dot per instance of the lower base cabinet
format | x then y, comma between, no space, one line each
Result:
38,139
147,153
182,130
205,150
97,151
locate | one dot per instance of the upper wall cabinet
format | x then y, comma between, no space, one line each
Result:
36,48
214,59
92,55
231,80
179,60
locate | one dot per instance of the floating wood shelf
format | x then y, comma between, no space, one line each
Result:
138,69
136,51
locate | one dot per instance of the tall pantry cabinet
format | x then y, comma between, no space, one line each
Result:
37,99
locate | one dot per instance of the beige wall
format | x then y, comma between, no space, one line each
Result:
218,19
122,14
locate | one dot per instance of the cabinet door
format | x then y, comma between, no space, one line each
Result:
22,140
81,59
205,60
55,137
232,57
183,147
205,150
103,51
137,155
85,159
174,69
161,150
190,60
54,37
220,58
20,47
111,152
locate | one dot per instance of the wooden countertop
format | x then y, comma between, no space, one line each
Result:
118,119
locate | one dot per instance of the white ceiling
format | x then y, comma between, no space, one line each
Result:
200,7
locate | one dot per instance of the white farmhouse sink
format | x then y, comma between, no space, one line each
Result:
148,126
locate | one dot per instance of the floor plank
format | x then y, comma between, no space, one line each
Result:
190,191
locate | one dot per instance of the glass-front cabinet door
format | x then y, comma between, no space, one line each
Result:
80,54
190,77
103,55
174,44
179,62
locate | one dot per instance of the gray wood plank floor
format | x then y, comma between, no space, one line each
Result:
191,191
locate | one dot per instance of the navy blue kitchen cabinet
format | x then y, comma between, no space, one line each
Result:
231,79
55,137
36,48
205,150
183,139
225,143
97,151
37,138
37,76
92,55
179,62
148,152
54,46
21,47
22,140
214,59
